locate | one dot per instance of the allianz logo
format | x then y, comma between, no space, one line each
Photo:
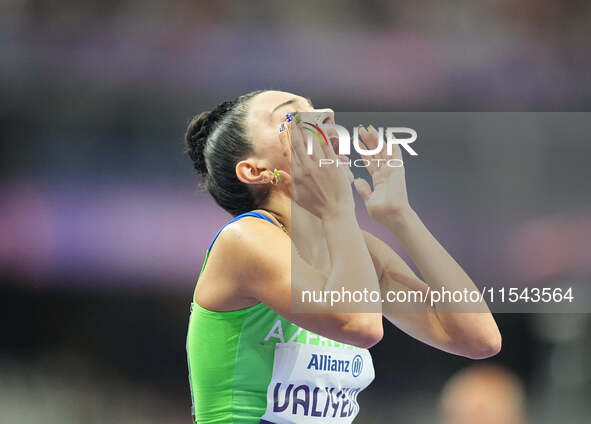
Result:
328,363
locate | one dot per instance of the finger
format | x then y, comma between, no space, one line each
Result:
345,162
287,136
296,164
327,148
284,133
298,170
363,188
396,152
343,158
317,138
383,152
370,138
298,143
286,127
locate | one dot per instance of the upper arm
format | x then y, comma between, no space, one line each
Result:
264,269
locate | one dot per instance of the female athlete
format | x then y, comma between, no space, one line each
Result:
253,358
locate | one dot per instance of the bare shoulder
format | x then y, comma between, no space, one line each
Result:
250,240
247,252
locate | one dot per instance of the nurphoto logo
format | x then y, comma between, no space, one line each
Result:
386,139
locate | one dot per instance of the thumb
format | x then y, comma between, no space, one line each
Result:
363,188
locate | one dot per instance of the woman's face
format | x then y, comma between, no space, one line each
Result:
266,111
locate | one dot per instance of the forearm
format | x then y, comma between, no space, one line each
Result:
436,265
352,267
465,322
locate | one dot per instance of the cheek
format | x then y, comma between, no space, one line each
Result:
284,158
275,149
282,155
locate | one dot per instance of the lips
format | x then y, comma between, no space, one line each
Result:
334,141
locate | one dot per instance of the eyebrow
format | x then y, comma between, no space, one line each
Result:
291,101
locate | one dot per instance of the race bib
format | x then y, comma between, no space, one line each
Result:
316,384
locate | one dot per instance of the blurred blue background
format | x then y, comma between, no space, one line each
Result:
103,228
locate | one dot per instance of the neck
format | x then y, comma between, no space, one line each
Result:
307,227
278,205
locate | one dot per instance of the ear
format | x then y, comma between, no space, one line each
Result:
248,172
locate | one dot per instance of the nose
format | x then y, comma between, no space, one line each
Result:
326,116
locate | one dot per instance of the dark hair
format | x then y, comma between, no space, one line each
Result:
216,141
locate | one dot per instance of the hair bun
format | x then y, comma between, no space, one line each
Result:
195,139
199,130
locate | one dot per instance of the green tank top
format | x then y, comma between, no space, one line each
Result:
232,362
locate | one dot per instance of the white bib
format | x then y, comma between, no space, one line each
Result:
316,384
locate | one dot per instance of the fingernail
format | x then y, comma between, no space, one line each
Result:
289,117
298,118
282,127
371,127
